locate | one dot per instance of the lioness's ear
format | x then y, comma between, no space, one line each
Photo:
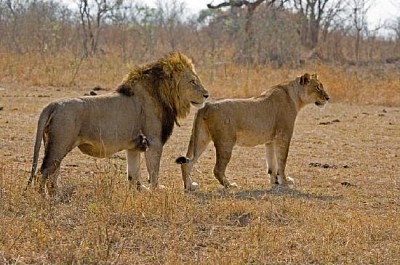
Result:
304,79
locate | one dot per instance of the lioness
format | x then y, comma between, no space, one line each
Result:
139,116
267,119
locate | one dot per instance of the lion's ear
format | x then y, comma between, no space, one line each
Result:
304,79
168,70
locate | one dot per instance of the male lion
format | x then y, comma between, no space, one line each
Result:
139,116
267,119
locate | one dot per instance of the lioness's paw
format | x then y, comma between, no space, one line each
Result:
158,187
143,188
233,185
290,181
194,186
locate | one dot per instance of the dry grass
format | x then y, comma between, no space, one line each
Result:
376,84
345,208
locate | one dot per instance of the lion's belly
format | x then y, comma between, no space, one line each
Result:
99,150
252,138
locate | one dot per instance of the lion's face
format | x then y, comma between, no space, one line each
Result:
192,89
314,90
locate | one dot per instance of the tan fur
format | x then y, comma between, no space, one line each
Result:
267,119
138,117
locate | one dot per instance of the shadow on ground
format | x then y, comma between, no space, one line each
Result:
262,194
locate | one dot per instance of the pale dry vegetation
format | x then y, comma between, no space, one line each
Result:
345,208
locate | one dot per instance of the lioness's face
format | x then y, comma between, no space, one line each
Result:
314,90
192,89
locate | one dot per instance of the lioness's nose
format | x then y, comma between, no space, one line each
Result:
327,97
205,95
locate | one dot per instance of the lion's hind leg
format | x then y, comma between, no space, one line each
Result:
46,180
57,146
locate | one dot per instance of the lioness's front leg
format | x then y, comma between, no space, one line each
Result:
271,162
282,150
153,158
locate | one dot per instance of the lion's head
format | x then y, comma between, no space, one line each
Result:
313,90
172,80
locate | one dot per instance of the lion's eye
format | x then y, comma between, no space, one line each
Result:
193,82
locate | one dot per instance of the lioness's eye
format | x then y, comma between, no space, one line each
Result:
193,82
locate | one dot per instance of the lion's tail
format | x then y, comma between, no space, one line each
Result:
44,119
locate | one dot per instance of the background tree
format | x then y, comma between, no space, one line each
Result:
92,16
251,7
314,15
359,10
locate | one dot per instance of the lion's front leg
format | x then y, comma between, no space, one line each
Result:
133,169
153,157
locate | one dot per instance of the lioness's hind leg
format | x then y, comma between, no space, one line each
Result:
198,143
187,167
224,153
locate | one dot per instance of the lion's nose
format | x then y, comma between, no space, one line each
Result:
205,95
327,97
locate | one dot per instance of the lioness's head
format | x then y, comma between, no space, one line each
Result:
313,90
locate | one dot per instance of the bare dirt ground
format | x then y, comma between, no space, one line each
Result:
344,209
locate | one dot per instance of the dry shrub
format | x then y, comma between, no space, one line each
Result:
377,84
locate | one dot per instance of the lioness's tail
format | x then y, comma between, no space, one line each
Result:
44,119
182,160
199,138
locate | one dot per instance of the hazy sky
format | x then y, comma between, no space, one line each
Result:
379,12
